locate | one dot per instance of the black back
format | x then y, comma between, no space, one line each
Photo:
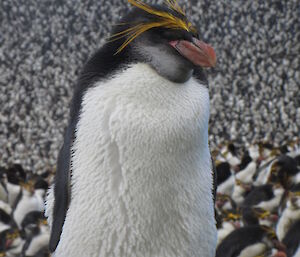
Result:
249,218
246,159
259,194
292,239
239,239
223,172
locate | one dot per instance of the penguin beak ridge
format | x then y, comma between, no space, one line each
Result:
197,52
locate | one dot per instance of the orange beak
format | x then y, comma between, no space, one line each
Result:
197,52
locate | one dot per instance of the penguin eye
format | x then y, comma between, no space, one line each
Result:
196,35
176,34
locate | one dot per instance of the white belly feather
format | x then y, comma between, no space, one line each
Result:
141,181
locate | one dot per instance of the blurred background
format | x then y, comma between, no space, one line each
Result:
254,90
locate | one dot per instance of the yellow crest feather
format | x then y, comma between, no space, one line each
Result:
165,19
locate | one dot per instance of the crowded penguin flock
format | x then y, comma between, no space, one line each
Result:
258,200
23,226
257,204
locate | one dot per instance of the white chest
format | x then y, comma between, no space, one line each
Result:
141,181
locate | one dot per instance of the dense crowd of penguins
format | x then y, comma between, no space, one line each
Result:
257,203
258,200
23,226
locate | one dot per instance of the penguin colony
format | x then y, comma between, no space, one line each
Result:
258,77
249,193
257,205
258,200
23,227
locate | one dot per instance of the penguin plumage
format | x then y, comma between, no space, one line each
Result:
292,239
248,241
267,197
32,199
134,175
37,235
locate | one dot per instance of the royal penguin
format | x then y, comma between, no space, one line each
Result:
225,203
134,175
231,221
5,221
291,213
240,190
14,189
267,197
3,181
284,171
31,199
292,240
249,241
225,178
229,153
37,235
246,174
13,242
258,216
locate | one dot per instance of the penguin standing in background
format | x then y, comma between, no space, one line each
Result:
134,175
31,199
250,241
37,236
292,240
225,178
291,213
240,190
267,197
3,189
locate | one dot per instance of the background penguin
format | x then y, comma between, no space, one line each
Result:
14,190
257,216
231,221
267,197
225,178
246,159
32,199
246,174
13,242
224,202
240,190
38,235
291,213
250,241
229,153
141,182
292,240
5,221
3,190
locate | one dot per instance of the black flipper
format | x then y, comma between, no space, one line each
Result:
61,188
214,174
214,190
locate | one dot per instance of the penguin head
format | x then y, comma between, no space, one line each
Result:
12,239
162,37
